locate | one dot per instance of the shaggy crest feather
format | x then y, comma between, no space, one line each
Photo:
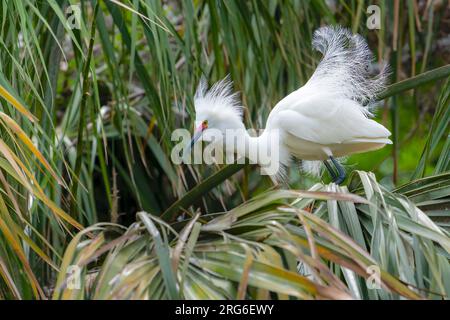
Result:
345,66
220,95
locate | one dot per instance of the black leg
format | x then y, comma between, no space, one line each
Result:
330,170
340,170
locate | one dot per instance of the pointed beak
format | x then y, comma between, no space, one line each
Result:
197,134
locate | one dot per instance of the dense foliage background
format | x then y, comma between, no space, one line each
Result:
86,119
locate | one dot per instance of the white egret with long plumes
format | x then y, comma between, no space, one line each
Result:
327,118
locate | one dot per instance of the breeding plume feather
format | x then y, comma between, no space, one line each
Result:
327,118
345,65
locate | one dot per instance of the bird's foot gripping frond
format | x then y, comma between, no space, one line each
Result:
346,66
338,175
335,168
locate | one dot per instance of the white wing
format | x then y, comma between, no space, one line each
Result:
325,121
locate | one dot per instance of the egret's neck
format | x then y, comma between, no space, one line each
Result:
263,150
249,146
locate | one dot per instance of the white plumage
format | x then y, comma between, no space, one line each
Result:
328,117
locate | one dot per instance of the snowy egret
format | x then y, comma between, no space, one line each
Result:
327,118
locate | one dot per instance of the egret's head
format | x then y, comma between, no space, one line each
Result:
217,108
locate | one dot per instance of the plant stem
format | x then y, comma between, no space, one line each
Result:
82,120
414,82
